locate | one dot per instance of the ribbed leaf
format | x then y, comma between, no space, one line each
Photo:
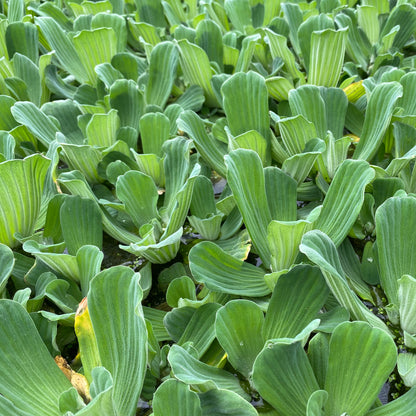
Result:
406,295
225,402
95,47
128,100
31,366
42,126
154,131
139,194
289,395
239,326
162,73
22,37
101,130
394,219
284,238
189,370
196,69
209,38
173,398
6,265
210,149
296,300
239,13
222,272
21,185
246,93
246,179
296,132
402,406
279,49
327,57
120,330
81,223
320,249
63,47
344,199
378,114
354,348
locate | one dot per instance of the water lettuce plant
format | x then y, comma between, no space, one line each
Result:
208,208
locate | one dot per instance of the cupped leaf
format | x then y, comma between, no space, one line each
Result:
210,149
378,115
394,220
327,56
344,199
354,348
32,366
245,102
223,402
173,398
22,183
402,406
296,300
81,223
222,272
320,249
289,395
189,370
120,330
162,72
239,327
246,179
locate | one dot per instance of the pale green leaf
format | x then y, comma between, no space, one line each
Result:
241,341
354,348
222,272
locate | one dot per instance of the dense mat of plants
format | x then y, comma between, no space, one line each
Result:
207,208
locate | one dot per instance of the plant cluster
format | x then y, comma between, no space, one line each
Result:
253,160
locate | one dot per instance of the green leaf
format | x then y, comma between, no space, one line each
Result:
44,381
101,130
41,125
402,406
154,131
296,300
209,38
196,69
406,366
128,100
246,93
222,272
210,149
354,348
344,199
189,370
284,238
241,341
327,57
200,330
406,293
378,115
63,47
173,398
289,395
120,329
22,183
239,13
6,265
225,402
81,223
279,49
29,73
162,73
22,37
246,179
320,249
139,194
